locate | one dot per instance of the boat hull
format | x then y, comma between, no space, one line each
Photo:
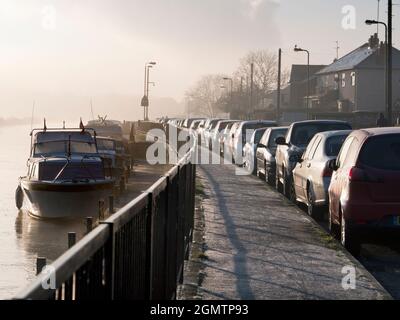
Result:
62,200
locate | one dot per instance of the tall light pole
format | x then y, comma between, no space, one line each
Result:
387,73
145,99
390,61
297,49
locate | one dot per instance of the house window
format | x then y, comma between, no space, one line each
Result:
343,80
353,79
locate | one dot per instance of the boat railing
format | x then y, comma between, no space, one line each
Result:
137,253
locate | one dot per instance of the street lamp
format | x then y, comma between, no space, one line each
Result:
388,76
145,99
297,49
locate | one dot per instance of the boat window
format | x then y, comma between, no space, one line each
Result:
105,144
43,148
83,147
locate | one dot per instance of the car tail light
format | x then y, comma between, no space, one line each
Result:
357,174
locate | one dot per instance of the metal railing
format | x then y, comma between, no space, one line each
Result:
137,253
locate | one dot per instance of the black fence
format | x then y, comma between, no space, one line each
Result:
137,253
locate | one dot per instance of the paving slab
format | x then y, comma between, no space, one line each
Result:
257,245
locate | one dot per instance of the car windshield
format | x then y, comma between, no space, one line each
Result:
334,144
382,152
248,130
275,134
303,133
257,136
223,125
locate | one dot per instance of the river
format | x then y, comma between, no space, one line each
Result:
23,238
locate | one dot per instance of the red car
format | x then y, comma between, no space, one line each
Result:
364,194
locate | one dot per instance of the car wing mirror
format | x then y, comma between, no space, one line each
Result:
332,164
280,141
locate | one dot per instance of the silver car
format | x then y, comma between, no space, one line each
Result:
312,176
249,151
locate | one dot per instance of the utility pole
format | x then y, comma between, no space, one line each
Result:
251,86
278,100
390,62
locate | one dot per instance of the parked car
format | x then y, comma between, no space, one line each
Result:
290,149
217,131
227,147
265,153
224,136
249,150
205,132
243,134
312,175
188,122
364,196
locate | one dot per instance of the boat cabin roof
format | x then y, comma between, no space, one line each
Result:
52,136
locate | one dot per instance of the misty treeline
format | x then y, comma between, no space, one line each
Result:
212,94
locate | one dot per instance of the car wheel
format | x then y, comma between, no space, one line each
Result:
349,238
334,228
312,210
286,185
278,184
266,175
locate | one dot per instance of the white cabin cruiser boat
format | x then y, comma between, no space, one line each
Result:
66,175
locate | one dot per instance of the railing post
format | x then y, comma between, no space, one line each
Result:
109,256
70,284
149,238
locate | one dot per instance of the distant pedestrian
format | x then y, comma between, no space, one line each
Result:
381,121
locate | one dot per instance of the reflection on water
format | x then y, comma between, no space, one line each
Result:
22,237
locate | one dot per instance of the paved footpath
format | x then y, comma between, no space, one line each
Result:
259,246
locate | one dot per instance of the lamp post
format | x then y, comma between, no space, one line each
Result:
297,49
145,99
387,73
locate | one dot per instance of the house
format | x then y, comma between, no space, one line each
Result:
356,82
299,84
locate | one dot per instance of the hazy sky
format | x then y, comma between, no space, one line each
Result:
98,47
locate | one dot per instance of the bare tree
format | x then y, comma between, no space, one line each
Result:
265,74
205,95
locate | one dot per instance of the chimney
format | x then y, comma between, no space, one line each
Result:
374,41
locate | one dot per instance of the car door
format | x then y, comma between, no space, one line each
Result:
312,166
300,172
338,179
260,154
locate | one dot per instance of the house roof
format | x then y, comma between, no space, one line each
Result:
350,60
299,71
362,57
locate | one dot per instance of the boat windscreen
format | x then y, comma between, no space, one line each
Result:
57,147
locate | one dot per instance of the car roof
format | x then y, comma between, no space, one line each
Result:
320,121
378,131
278,128
328,134
258,121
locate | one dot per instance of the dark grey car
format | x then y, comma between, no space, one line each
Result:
265,153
